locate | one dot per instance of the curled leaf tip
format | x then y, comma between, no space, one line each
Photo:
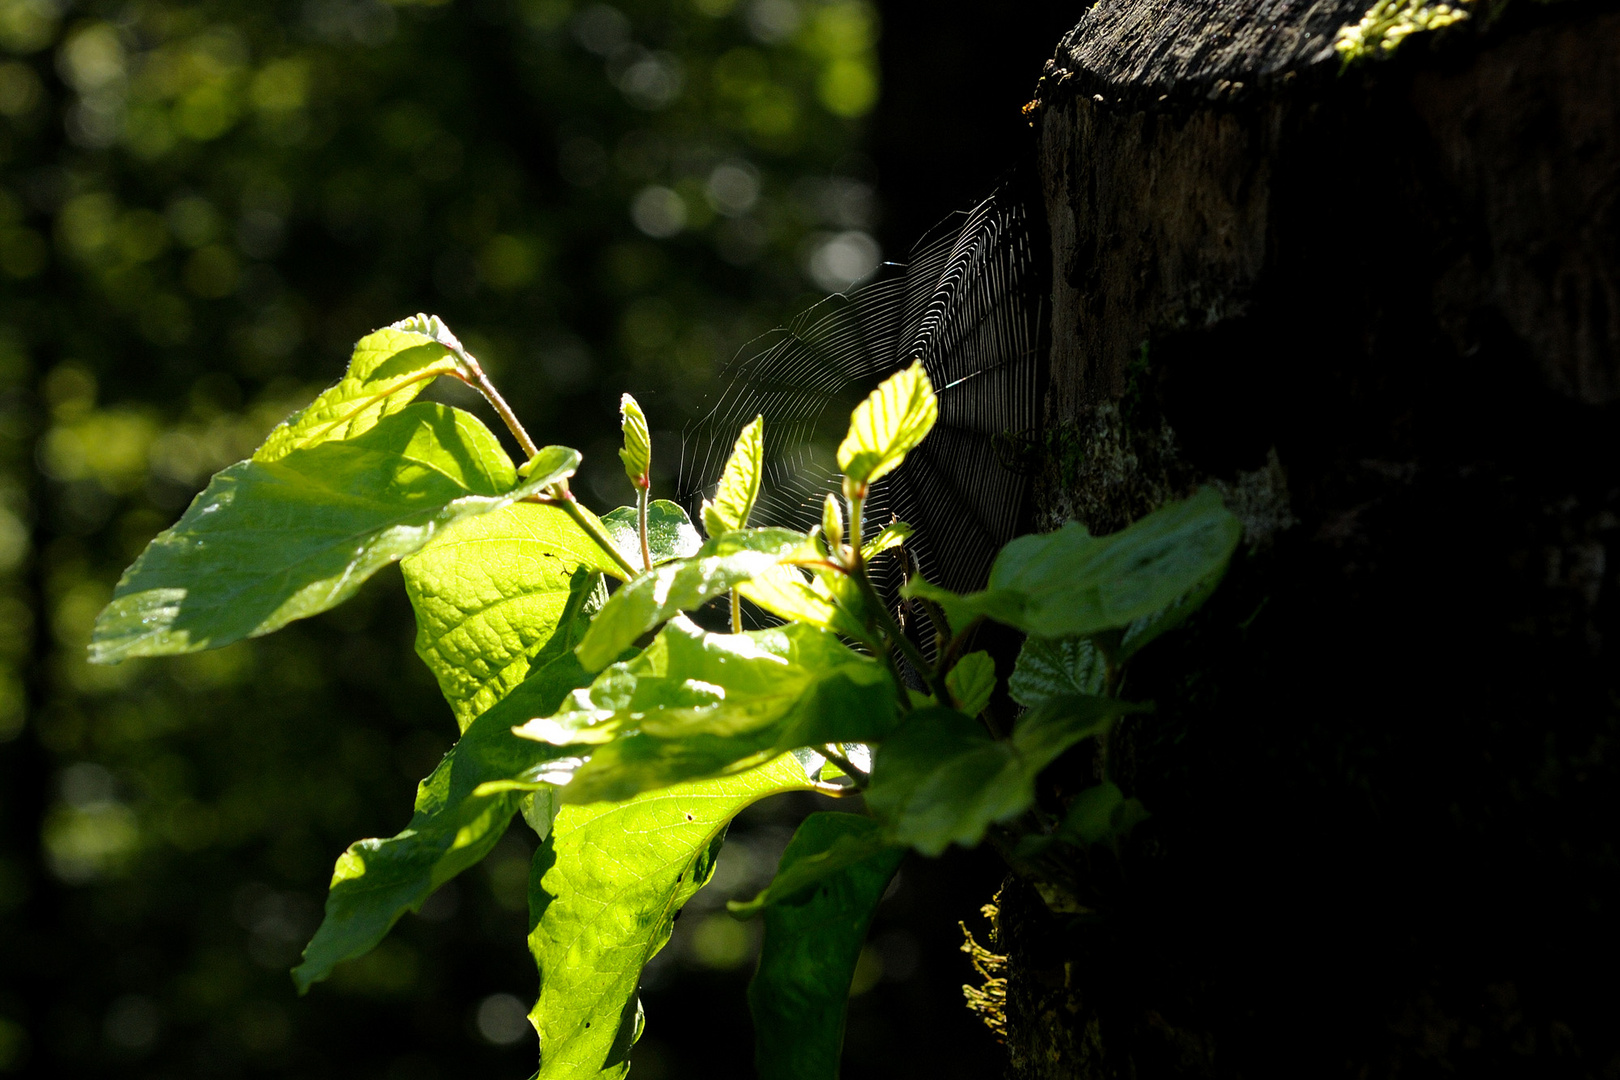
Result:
429,326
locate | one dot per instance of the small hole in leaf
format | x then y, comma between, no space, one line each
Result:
688,817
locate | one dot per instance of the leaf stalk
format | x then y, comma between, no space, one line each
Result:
593,528
478,380
643,493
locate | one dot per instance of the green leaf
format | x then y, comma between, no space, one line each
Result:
739,483
606,888
670,533
637,452
815,599
888,425
388,369
694,703
491,591
1051,667
1099,814
890,536
940,779
270,542
462,810
793,877
1143,630
799,993
721,564
971,682
832,521
1069,583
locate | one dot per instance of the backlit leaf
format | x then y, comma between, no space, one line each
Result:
269,542
670,533
388,369
800,991
790,592
491,591
1069,583
462,810
604,894
694,703
722,563
888,424
889,537
739,482
855,844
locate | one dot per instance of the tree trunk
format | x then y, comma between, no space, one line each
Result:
1377,307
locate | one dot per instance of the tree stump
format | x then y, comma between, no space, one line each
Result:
1379,307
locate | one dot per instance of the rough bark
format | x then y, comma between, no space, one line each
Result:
1378,308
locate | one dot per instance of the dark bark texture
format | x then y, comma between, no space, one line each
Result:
1378,308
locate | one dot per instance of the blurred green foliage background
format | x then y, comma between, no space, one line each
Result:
202,206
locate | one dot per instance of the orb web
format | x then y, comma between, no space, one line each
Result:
969,304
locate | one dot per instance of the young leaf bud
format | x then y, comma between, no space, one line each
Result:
832,522
637,452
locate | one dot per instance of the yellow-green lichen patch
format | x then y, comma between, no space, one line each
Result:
1389,22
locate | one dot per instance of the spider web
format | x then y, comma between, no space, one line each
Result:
968,302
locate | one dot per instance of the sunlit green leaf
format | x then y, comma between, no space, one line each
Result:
889,537
388,369
462,810
832,521
1069,583
270,542
972,681
856,844
888,425
694,703
790,592
739,483
812,942
670,533
722,563
491,591
1051,667
940,779
606,888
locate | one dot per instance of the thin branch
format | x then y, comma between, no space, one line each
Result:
860,776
